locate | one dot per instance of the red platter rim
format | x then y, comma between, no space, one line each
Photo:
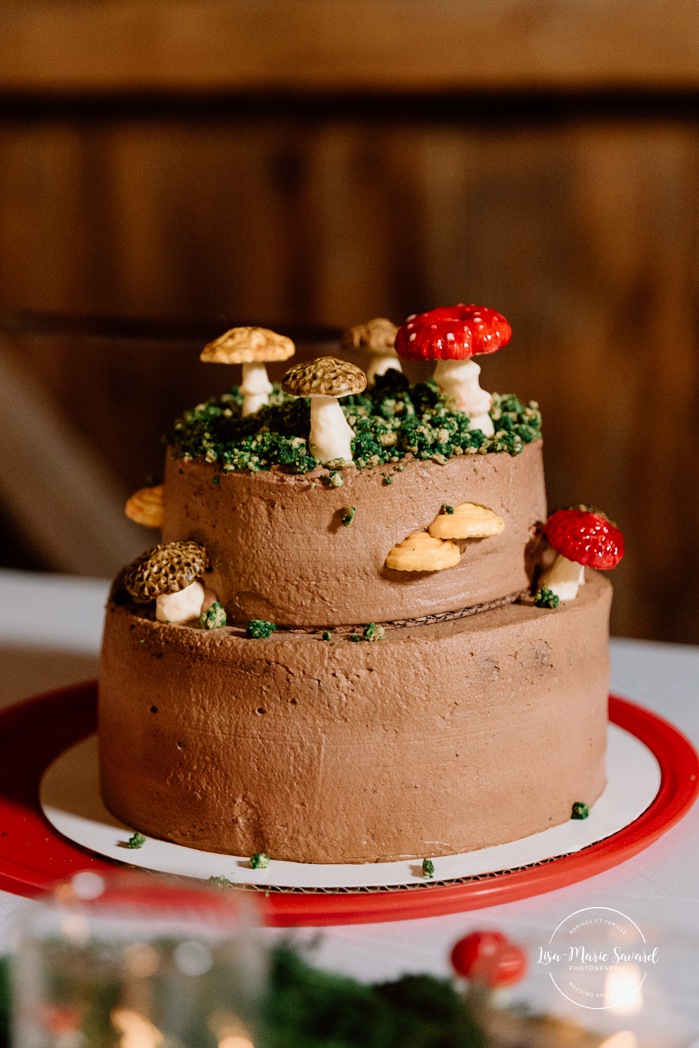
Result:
34,856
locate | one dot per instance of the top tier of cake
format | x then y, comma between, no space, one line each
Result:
279,549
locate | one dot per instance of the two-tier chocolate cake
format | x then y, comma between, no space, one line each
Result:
345,648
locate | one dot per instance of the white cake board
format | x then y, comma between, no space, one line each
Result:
70,799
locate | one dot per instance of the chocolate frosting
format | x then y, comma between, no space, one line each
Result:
279,550
440,738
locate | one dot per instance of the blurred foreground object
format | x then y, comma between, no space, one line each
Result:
138,962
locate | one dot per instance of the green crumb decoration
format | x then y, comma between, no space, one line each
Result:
355,637
446,508
259,629
373,632
216,479
390,422
347,515
427,868
580,810
259,861
137,840
220,882
214,617
326,635
546,598
388,479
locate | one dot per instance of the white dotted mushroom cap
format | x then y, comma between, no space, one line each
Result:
248,345
324,377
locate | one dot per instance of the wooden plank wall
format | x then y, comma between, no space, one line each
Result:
179,160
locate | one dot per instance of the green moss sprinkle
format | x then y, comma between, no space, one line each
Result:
388,479
390,421
216,479
326,635
137,840
347,515
546,598
214,617
220,882
446,508
373,631
259,861
259,629
427,868
580,810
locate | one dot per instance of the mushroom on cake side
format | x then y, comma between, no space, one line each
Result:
453,335
582,538
145,506
377,339
324,380
422,552
253,347
469,520
169,574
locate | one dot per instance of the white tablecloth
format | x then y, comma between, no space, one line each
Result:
50,629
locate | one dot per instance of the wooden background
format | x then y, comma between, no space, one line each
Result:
320,162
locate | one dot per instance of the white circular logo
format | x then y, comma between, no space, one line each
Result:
598,958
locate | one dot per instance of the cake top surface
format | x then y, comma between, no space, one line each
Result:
392,420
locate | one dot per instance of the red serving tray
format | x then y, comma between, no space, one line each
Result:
34,856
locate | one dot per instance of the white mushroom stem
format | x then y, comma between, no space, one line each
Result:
459,380
255,387
380,364
564,578
180,607
331,435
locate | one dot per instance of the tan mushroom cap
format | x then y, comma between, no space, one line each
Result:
421,552
376,336
468,521
167,568
324,377
248,345
145,506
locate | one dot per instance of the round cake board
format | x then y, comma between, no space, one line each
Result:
70,799
38,742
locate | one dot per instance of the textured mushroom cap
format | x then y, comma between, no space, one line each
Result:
167,568
324,377
376,336
452,333
586,537
248,345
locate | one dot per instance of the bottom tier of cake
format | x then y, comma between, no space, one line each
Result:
440,738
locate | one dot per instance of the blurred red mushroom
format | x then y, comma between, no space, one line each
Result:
453,335
488,959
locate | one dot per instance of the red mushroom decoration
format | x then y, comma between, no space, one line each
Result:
453,335
488,959
582,538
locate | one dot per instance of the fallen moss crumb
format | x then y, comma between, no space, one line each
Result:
580,810
259,861
214,617
259,629
347,515
427,868
136,840
546,598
